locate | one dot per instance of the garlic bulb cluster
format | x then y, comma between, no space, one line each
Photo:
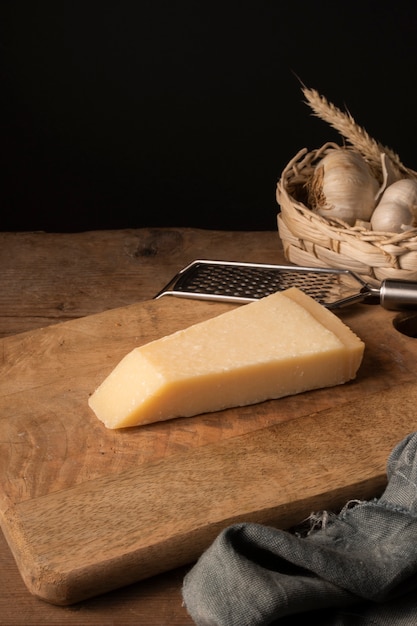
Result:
397,208
343,187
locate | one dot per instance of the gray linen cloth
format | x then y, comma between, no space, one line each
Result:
360,567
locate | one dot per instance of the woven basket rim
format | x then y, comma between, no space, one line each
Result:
319,237
338,226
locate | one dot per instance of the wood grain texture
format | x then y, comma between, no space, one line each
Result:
55,277
49,440
52,277
115,530
85,509
49,278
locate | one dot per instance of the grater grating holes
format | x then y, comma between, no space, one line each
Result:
247,282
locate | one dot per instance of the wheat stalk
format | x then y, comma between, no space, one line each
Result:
356,135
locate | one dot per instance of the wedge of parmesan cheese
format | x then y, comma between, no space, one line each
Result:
283,344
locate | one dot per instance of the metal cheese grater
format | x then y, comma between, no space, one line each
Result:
227,281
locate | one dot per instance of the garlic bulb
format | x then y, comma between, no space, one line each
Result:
397,208
343,187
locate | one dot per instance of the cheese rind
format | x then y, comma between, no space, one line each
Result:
283,344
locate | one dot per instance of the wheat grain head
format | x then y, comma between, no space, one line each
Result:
357,136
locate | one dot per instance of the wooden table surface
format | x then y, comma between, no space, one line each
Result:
49,278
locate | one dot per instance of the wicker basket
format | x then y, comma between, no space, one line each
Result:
315,241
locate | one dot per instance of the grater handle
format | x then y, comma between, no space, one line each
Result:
396,294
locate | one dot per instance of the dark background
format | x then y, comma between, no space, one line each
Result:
155,113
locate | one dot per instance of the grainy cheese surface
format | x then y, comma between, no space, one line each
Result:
283,344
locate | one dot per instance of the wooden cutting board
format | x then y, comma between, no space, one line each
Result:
86,510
